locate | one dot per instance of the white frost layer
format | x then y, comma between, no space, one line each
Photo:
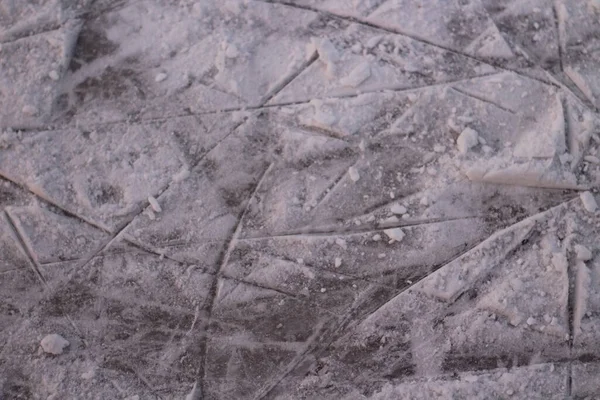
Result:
54,344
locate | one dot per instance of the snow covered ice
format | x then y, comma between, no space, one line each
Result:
308,199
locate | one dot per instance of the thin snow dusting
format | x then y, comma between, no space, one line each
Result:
307,199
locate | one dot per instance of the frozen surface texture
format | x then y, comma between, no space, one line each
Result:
300,199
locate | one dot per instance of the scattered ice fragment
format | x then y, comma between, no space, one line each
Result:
182,175
231,51
592,159
29,110
531,321
395,234
54,344
582,252
381,255
154,204
89,374
374,41
467,139
337,262
323,290
559,261
438,148
342,243
324,118
327,53
161,76
195,393
424,201
389,220
362,145
589,202
358,75
353,172
547,318
300,260
398,209
150,214
565,158
428,157
53,75
376,237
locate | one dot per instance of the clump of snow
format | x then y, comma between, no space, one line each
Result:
337,262
54,344
589,202
395,234
468,138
